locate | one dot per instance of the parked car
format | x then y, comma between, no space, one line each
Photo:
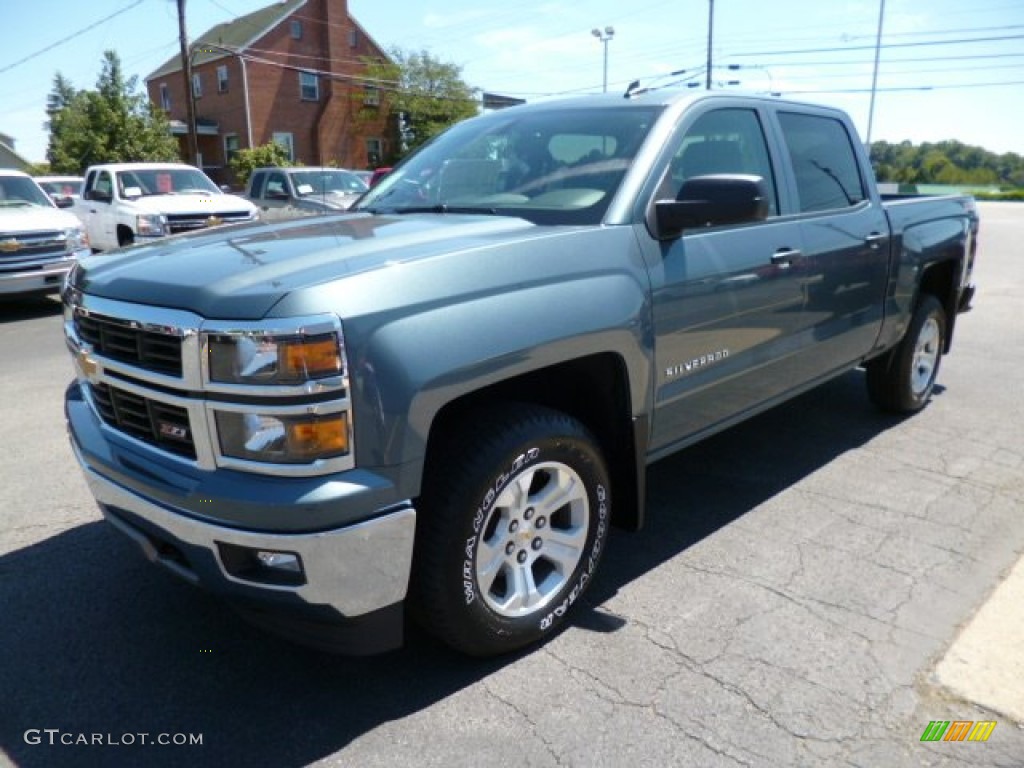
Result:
64,190
366,176
125,203
38,243
378,174
286,193
443,401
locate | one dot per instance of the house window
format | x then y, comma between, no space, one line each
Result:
353,38
286,141
309,86
371,96
374,152
222,79
230,146
296,30
197,85
165,98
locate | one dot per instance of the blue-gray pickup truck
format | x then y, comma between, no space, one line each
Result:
436,404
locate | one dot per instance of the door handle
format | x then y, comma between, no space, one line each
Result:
874,240
784,257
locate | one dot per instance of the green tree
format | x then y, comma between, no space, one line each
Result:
945,162
114,123
246,161
424,94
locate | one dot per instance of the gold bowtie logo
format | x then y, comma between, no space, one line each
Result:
10,245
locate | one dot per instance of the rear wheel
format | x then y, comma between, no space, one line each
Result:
513,519
902,381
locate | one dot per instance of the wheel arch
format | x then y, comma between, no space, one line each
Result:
594,390
940,280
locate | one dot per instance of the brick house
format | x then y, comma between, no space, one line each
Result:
288,73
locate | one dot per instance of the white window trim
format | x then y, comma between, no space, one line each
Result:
197,85
165,97
316,86
227,154
222,82
287,140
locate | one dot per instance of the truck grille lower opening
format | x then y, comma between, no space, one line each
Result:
159,424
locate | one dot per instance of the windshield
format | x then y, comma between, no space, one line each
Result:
19,191
164,181
555,166
61,187
314,183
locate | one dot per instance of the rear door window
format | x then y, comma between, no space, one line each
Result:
824,162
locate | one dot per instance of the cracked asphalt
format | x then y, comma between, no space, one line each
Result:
799,579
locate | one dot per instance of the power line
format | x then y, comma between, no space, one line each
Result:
72,36
841,49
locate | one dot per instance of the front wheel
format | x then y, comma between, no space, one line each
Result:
902,380
514,516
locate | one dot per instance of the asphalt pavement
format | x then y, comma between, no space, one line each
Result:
802,584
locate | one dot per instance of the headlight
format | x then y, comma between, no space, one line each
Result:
151,225
283,439
274,360
75,239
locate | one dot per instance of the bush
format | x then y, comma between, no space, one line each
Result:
246,161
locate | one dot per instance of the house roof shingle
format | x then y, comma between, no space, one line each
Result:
235,35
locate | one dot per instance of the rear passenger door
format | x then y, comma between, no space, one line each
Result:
727,300
845,236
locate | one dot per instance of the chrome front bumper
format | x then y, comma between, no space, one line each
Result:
49,279
353,570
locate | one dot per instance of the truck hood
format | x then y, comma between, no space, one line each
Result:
203,204
239,272
35,218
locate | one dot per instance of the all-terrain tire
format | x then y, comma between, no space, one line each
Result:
514,516
902,381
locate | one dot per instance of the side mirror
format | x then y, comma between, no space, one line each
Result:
277,196
63,201
711,201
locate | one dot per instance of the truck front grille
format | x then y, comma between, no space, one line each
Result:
23,251
120,340
187,222
159,424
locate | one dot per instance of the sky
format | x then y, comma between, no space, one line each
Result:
948,69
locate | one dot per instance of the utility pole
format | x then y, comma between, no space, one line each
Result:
874,76
711,27
186,73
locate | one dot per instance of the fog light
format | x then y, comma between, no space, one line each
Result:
262,566
282,561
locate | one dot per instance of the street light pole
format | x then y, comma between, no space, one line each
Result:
604,36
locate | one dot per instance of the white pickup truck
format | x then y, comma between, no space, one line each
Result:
125,203
38,242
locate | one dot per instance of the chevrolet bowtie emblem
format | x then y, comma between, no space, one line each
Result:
10,245
86,363
213,221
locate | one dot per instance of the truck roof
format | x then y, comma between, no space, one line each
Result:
142,166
